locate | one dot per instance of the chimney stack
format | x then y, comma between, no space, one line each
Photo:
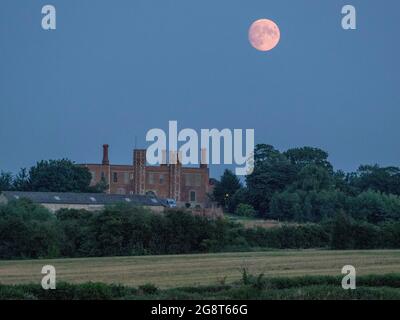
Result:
203,159
105,162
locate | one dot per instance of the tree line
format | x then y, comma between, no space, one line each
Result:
298,185
29,230
301,185
51,176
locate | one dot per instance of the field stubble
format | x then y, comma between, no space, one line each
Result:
201,269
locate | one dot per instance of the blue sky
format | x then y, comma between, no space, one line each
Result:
115,69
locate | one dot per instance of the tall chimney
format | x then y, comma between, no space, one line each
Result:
203,159
105,162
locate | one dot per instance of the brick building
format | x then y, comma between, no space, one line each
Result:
184,184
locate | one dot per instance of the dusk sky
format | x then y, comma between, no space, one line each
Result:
115,69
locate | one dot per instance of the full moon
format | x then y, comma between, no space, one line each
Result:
264,34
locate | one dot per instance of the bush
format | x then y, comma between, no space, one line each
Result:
27,230
342,233
148,288
249,287
366,236
245,210
30,231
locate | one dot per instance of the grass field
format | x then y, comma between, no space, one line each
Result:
201,269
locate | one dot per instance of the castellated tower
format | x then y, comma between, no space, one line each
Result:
175,176
139,164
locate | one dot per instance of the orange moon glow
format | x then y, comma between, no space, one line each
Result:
264,34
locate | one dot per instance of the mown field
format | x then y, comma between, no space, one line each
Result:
201,269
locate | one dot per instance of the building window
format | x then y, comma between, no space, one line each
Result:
115,177
161,179
192,196
93,173
131,176
103,176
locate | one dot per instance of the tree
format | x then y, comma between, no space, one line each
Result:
99,187
27,230
265,153
307,155
240,196
341,182
286,206
376,178
226,188
375,207
6,180
245,210
314,177
366,236
21,181
59,176
52,176
342,233
74,229
272,173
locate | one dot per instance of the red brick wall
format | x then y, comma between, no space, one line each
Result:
158,180
166,181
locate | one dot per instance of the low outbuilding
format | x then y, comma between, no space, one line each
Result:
89,201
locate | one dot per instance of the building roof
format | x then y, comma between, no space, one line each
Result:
82,198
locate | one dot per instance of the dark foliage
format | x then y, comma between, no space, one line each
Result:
51,176
30,231
249,287
301,185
